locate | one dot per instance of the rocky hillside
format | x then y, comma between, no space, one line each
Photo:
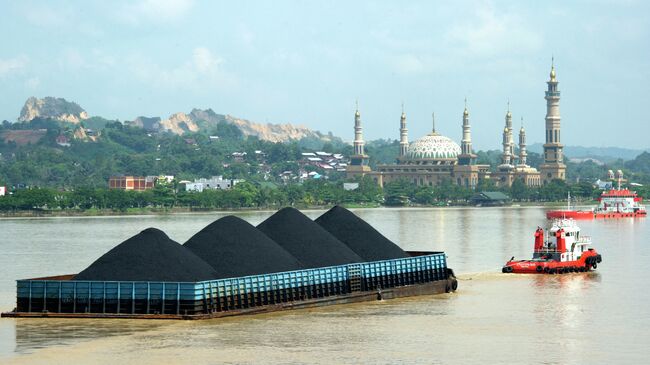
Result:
207,119
52,108
178,123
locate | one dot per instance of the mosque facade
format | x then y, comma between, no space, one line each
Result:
434,158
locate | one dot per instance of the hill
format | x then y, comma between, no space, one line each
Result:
603,154
197,120
52,108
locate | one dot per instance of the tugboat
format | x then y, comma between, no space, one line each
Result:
569,252
614,203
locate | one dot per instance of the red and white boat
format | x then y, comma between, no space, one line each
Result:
615,203
567,251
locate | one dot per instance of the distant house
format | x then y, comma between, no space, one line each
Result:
3,190
62,140
138,183
604,185
214,183
350,186
164,179
490,199
190,141
239,156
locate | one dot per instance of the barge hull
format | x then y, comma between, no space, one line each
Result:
431,288
64,297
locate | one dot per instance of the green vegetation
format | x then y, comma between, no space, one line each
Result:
48,177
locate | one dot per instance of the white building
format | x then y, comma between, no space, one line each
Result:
214,183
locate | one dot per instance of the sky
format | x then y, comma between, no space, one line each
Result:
307,63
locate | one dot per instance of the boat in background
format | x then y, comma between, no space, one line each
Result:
613,203
571,252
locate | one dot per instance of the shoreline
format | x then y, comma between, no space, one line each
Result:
185,210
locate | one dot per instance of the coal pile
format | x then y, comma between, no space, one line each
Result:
148,256
236,248
307,241
359,236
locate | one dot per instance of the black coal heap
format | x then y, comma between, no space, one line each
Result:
148,256
236,248
360,236
307,241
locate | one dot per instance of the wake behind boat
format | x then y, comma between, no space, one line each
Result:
569,252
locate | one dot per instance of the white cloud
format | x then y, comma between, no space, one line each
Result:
33,83
13,65
205,61
157,11
409,64
202,69
488,32
42,15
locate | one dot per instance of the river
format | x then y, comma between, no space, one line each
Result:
597,317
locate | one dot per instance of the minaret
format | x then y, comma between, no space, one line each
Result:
508,156
553,166
466,156
511,138
505,156
358,133
403,135
522,145
359,160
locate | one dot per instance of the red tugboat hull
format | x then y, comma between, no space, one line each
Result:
570,251
574,214
589,260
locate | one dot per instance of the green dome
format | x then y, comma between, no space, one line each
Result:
433,146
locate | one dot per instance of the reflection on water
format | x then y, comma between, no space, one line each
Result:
598,316
33,334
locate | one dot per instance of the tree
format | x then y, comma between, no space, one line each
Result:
519,191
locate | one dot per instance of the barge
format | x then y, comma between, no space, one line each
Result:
423,273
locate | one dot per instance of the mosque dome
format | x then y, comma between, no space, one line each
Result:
433,146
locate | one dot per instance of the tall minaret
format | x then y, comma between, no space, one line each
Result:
522,144
358,165
553,166
511,138
466,156
505,156
508,156
358,133
403,135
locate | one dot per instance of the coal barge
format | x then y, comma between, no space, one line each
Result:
233,268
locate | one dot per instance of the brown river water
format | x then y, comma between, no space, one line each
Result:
602,317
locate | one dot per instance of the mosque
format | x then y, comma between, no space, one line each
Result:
434,158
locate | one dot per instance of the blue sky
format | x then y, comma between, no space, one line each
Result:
307,62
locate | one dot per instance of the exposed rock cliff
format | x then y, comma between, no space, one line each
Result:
178,123
199,119
53,108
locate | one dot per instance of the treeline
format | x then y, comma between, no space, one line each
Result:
243,195
310,193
